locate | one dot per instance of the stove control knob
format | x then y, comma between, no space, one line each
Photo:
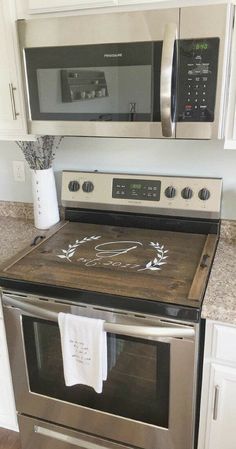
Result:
187,193
73,186
170,192
87,186
204,194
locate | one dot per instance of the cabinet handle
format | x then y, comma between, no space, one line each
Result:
13,104
216,402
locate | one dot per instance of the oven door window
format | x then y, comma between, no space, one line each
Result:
107,82
137,386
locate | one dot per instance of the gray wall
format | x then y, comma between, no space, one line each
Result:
204,158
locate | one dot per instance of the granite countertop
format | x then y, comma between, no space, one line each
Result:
15,235
220,298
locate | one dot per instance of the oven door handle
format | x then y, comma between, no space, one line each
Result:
167,67
146,332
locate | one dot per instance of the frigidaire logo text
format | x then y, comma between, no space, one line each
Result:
113,55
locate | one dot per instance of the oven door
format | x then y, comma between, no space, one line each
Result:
149,396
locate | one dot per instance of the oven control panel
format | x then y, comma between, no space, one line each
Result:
170,195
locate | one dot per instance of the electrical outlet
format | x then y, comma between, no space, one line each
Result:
18,171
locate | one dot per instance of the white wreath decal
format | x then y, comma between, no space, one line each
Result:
157,261
153,265
68,253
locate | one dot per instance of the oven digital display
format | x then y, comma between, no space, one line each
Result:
136,189
135,186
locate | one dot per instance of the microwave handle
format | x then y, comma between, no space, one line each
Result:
146,332
168,48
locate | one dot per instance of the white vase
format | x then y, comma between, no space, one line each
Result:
44,192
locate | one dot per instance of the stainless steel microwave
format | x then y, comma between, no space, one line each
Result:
142,74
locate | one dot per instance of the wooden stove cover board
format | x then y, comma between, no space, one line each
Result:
140,263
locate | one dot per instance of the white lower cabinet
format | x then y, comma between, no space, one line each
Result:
221,417
218,400
7,404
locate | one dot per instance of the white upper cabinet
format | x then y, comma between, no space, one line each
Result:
230,134
47,6
40,6
12,118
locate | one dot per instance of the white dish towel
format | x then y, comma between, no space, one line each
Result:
84,350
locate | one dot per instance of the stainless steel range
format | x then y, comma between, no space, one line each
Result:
136,251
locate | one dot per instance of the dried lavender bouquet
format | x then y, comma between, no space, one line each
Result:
40,153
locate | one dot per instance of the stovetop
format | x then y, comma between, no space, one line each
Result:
147,262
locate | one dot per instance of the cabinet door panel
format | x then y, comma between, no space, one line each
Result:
5,75
37,6
137,2
222,408
12,122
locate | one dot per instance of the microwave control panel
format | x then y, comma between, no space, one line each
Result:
198,65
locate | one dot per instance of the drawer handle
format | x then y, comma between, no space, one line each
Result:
67,439
216,402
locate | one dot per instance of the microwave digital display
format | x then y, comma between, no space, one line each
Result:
201,46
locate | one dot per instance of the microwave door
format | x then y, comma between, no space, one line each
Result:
107,83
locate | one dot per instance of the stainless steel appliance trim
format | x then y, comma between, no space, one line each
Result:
118,27
170,37
26,87
146,332
134,206
143,130
13,104
56,304
30,437
67,438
